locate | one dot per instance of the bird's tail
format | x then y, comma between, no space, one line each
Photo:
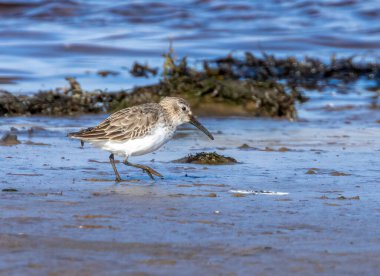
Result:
73,134
79,134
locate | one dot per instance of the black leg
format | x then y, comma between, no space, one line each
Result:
112,160
146,169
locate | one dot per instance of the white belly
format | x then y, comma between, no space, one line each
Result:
138,146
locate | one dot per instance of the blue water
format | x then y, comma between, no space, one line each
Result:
42,42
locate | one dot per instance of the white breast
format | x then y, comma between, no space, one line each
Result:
159,136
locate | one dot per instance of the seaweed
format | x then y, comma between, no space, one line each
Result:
309,73
263,86
139,70
207,158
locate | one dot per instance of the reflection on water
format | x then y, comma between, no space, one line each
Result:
43,41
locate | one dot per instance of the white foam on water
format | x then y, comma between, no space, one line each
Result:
252,192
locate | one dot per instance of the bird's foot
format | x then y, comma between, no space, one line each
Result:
151,172
148,173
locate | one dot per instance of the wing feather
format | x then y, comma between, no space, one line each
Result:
126,124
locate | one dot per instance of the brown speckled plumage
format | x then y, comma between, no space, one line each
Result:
129,123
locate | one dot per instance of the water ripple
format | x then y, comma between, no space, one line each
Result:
69,34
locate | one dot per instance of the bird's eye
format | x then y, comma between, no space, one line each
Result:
184,108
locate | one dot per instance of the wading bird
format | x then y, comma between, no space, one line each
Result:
139,130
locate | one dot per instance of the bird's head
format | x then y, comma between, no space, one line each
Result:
179,112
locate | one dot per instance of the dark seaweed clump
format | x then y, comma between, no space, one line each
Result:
309,73
73,100
139,70
207,158
251,86
209,94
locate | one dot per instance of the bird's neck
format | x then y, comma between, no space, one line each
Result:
170,118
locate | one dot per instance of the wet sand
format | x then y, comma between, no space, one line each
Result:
61,212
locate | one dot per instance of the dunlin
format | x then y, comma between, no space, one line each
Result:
139,130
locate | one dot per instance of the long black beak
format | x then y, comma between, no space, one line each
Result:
196,123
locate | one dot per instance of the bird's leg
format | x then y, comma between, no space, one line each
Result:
112,160
146,169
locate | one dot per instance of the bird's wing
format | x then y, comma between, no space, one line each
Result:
126,124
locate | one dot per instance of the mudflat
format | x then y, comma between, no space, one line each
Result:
302,198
